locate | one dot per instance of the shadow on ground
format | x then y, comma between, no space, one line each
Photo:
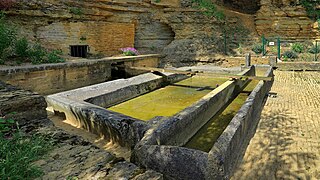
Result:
272,154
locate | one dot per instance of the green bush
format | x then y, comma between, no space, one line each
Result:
257,48
22,47
37,54
209,9
9,46
314,49
311,8
54,57
7,38
290,55
297,47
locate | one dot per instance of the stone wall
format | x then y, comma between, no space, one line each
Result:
52,78
284,19
102,37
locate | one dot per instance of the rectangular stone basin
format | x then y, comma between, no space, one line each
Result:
194,145
169,100
123,110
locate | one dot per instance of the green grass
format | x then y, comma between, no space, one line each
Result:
18,151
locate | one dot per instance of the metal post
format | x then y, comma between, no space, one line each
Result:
225,43
279,47
248,60
316,54
263,46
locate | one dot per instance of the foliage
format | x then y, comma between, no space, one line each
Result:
9,46
297,47
37,54
290,55
54,57
209,9
7,38
311,8
6,126
258,48
6,4
76,11
22,47
18,151
129,51
314,49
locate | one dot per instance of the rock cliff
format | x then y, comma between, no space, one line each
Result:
175,28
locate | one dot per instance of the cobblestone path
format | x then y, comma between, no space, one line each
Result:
287,141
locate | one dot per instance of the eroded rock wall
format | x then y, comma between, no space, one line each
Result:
285,18
173,28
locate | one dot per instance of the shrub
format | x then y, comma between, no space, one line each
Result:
311,8
129,51
314,50
257,48
37,54
7,37
297,47
290,55
22,47
54,57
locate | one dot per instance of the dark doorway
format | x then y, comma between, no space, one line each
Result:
79,50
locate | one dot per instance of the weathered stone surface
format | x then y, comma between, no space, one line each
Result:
118,128
149,175
229,147
298,66
155,152
74,157
285,19
23,106
52,78
71,156
174,162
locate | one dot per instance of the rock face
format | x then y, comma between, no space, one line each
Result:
284,18
251,6
175,26
23,106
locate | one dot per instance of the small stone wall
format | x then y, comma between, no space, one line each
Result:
20,105
158,152
298,66
226,152
52,78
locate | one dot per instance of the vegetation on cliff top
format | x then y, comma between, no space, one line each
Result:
312,8
19,50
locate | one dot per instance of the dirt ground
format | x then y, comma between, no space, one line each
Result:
286,144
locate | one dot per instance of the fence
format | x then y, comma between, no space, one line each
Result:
284,49
291,50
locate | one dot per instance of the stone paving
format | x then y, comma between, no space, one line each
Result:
286,144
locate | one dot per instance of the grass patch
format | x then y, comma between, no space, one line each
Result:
18,151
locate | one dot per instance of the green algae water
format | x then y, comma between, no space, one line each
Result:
205,138
169,100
